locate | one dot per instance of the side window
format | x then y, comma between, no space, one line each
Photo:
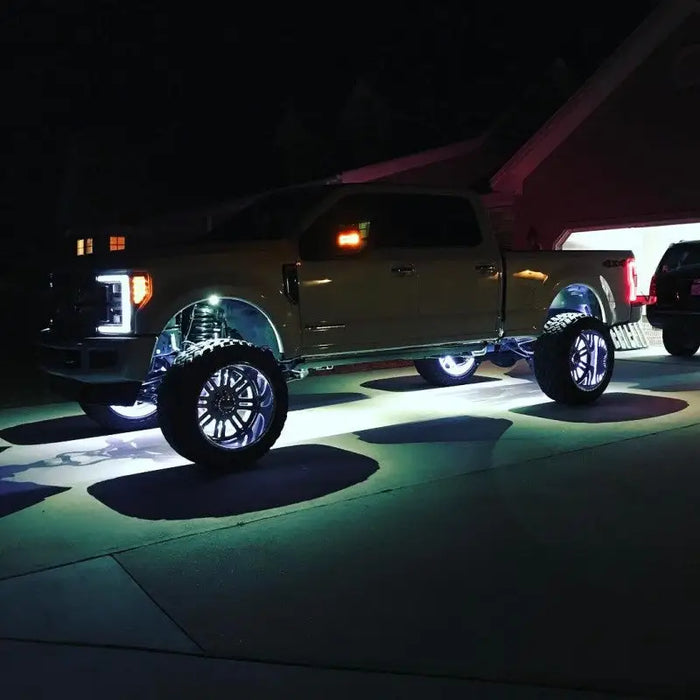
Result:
434,221
359,223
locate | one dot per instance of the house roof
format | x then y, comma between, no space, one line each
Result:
659,24
387,168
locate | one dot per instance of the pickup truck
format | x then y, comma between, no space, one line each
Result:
202,337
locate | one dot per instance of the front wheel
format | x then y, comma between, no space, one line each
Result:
142,415
223,403
447,371
574,358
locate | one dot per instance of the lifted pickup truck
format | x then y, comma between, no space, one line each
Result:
202,340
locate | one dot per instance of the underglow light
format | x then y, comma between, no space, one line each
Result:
213,300
125,325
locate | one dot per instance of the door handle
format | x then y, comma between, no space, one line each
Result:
488,268
403,270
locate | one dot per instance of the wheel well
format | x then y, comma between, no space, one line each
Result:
577,297
248,321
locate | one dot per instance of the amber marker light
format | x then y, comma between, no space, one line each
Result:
141,289
349,239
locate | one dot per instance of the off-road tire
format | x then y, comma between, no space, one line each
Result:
552,358
434,374
178,397
108,419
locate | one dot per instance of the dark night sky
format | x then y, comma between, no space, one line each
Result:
197,93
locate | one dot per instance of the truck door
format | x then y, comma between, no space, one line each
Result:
459,269
355,291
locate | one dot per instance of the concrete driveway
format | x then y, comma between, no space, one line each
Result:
399,541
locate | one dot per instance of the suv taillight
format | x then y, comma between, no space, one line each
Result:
651,299
631,268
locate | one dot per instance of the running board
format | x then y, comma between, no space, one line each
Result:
629,336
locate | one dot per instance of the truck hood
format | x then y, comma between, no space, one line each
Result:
192,254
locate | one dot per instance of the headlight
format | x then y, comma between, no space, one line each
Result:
123,293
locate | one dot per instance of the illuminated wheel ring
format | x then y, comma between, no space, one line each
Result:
138,411
588,360
235,407
457,366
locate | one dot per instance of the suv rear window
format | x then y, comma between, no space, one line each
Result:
681,255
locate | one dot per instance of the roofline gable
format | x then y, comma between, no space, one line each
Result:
658,25
375,171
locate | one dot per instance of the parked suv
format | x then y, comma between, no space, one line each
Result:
674,298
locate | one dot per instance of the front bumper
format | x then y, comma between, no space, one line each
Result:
96,370
107,394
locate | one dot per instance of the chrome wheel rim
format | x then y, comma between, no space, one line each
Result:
235,407
456,366
139,410
588,360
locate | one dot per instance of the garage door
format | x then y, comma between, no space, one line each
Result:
648,244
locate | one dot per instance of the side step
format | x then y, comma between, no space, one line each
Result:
629,336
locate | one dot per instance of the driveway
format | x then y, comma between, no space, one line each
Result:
399,541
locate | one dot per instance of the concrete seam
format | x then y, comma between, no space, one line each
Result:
157,604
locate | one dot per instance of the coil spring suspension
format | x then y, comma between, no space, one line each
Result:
206,322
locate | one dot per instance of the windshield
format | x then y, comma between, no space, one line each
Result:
682,255
270,216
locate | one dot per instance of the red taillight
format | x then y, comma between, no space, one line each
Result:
651,299
631,267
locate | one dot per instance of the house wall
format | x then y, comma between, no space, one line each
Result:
635,160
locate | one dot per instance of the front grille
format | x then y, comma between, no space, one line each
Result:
59,358
102,359
78,304
67,358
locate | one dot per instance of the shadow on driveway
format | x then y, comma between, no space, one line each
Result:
284,476
16,496
54,430
669,385
457,429
609,408
414,383
298,402
81,427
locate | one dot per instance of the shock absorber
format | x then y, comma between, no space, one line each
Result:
206,322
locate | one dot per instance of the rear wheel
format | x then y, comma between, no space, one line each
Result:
574,358
447,371
679,341
140,416
223,404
